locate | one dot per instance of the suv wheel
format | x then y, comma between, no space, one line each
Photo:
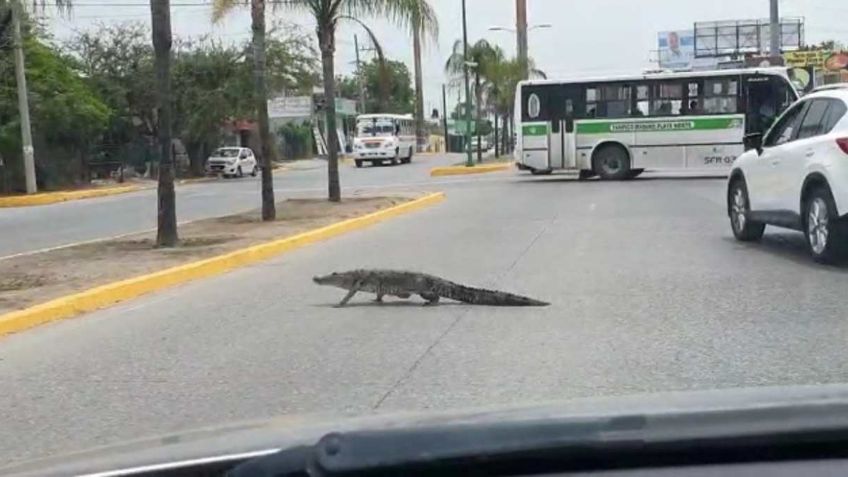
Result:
738,206
822,227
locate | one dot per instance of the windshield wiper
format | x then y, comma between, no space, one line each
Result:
572,444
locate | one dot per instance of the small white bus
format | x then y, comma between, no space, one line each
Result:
384,137
618,127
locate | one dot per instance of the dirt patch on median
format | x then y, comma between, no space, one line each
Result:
33,279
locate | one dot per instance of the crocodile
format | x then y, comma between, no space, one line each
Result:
431,288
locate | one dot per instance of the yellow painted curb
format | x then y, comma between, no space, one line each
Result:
53,197
462,170
106,295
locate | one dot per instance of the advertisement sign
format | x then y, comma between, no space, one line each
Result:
676,49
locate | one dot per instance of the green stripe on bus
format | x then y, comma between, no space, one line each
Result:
535,130
670,125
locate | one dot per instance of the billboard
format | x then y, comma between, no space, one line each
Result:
676,49
740,37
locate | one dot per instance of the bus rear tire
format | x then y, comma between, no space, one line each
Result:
585,174
611,162
634,173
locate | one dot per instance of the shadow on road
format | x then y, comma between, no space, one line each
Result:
595,180
788,246
390,304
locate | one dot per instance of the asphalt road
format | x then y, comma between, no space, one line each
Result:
27,229
649,293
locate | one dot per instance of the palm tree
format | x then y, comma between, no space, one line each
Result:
328,14
257,26
160,16
503,79
482,59
416,27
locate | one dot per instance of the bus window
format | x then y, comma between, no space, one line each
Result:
668,99
643,101
721,96
694,100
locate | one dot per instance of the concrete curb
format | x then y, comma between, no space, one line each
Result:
54,197
112,293
463,170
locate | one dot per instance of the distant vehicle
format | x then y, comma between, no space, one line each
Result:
796,176
483,146
232,162
617,127
384,138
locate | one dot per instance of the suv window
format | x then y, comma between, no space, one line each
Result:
834,114
784,130
812,125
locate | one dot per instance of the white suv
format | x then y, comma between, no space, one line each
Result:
796,176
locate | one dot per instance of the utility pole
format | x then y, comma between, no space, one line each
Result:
774,29
445,113
23,102
521,34
361,75
469,162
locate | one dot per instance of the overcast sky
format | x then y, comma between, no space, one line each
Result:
589,36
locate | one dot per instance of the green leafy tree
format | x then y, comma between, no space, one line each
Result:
66,114
394,78
328,14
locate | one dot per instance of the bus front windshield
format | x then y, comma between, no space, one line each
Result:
374,127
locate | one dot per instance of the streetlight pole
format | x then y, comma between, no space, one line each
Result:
23,102
361,75
774,29
468,162
521,34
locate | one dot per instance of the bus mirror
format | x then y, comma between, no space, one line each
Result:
754,141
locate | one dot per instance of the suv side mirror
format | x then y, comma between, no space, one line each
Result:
754,141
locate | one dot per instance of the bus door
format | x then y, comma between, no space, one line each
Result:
561,140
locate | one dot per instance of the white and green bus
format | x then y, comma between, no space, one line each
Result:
618,127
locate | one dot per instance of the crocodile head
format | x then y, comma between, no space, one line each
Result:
341,280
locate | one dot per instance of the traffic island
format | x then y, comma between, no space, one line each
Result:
58,284
463,170
45,198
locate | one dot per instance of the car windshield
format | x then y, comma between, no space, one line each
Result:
374,127
468,204
227,152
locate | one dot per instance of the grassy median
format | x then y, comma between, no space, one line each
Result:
32,279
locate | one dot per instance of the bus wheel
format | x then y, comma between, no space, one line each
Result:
541,172
634,173
611,162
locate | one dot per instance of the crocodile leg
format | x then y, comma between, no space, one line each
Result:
349,295
432,299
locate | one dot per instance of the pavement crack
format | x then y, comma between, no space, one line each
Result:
418,361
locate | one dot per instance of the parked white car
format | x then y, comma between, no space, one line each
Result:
232,162
796,176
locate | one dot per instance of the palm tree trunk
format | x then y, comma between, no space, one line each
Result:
257,14
479,97
326,41
419,86
497,148
166,230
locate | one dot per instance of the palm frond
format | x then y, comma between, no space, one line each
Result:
220,8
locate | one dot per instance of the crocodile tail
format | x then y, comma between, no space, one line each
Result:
481,296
